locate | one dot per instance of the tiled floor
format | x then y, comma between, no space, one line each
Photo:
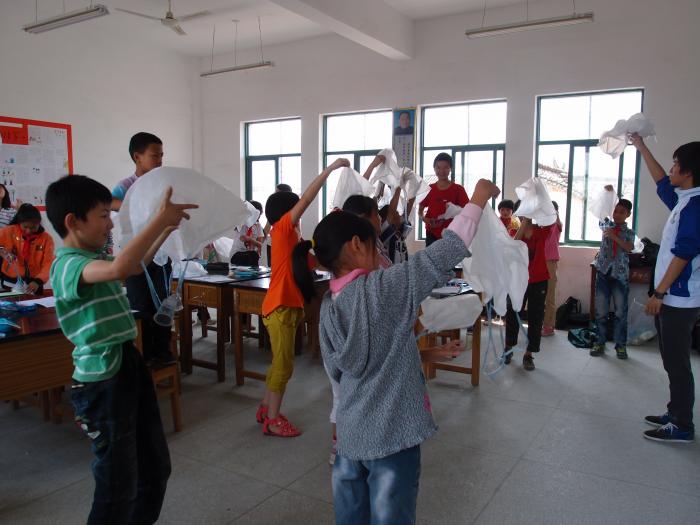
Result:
559,445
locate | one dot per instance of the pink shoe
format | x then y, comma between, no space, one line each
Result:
547,331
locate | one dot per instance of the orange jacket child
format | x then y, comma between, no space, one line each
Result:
32,247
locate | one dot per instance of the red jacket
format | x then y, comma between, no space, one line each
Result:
41,256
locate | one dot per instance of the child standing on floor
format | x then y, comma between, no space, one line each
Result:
27,247
112,392
551,252
383,411
283,306
612,279
535,294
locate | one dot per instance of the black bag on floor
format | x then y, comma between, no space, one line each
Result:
570,307
582,337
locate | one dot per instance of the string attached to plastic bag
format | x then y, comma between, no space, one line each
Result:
491,368
171,304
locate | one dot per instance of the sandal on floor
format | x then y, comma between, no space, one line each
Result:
261,414
286,429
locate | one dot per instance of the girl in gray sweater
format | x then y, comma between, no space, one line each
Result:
384,410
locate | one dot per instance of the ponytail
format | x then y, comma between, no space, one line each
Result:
300,269
329,237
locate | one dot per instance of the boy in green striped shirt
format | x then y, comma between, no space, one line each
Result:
112,392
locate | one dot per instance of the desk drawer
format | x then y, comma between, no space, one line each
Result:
202,295
249,302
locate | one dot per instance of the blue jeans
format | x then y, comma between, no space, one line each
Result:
606,287
378,491
132,464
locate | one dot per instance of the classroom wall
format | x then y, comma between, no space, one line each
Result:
632,43
106,85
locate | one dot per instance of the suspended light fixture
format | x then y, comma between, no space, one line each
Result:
255,65
65,19
542,23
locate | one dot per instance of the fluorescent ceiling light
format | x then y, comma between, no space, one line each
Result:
266,63
530,24
66,19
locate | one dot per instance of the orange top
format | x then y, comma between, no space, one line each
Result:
41,249
283,290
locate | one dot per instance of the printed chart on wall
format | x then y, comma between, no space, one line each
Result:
33,154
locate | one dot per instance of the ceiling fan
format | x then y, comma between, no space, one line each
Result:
170,20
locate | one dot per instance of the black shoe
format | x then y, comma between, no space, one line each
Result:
528,362
598,349
670,433
658,421
621,352
508,355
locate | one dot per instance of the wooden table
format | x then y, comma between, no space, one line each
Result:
248,298
218,295
35,359
638,275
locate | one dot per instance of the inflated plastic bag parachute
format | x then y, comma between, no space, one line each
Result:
389,172
498,264
351,183
603,204
219,210
535,202
614,141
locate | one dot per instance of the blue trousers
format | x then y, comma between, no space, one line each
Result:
377,492
132,464
605,288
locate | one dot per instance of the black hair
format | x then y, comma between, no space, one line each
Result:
505,203
6,202
26,213
516,205
625,204
443,157
278,204
688,157
140,142
556,206
283,187
329,237
360,205
76,194
256,205
384,212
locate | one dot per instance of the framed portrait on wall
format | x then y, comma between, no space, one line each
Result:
404,136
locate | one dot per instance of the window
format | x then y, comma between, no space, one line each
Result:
572,166
357,137
474,134
272,156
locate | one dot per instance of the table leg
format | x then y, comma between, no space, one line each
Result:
186,339
476,352
220,345
238,347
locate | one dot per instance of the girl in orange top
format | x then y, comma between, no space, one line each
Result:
26,246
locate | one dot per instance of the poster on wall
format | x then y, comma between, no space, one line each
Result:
404,136
33,154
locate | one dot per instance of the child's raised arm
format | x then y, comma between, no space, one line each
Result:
310,194
128,262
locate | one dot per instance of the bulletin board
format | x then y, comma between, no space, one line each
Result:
33,154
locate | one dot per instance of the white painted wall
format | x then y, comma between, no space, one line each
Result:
632,43
106,85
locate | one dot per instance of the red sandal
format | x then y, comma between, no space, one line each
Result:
286,429
261,414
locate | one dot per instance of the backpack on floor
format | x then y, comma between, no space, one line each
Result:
571,306
582,337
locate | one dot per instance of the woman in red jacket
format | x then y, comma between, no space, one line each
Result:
26,247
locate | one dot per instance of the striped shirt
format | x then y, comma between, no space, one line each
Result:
96,318
6,216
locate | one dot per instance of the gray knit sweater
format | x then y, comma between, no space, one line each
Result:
369,347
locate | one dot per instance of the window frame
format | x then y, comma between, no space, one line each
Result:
249,159
461,149
356,153
588,144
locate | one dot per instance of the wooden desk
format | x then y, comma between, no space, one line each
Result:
35,359
248,298
638,275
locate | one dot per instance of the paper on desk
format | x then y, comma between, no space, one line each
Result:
46,302
211,279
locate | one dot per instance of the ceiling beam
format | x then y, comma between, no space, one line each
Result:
370,23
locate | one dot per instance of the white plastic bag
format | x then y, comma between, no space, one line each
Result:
223,246
389,172
253,215
413,185
498,265
219,210
640,326
450,313
194,269
451,211
603,205
535,202
350,183
614,141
